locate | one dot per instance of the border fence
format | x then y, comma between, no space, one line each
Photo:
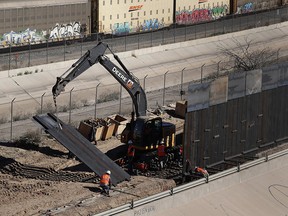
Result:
237,115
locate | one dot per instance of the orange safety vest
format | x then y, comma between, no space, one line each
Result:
131,151
200,170
105,179
161,151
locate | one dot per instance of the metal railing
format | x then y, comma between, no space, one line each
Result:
193,184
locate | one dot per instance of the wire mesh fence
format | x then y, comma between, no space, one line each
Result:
51,51
98,102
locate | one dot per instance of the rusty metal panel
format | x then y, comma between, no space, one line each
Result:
198,96
206,135
217,133
270,77
268,128
219,91
70,138
253,81
236,85
191,140
253,102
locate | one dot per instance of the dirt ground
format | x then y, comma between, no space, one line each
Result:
43,180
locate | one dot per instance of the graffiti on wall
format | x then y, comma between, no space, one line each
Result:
246,8
27,36
152,24
65,30
121,28
34,36
200,15
147,25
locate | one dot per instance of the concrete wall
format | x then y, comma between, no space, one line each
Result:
249,192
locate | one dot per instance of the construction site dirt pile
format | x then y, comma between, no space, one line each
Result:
46,181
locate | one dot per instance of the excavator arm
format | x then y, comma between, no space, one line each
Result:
124,77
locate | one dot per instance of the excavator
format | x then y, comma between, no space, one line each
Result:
145,132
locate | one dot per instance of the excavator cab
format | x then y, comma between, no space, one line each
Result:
147,133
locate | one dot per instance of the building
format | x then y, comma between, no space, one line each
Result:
128,16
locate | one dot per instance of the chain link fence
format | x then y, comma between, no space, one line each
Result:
98,102
51,51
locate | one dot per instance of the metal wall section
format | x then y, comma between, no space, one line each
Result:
41,16
194,11
253,115
126,16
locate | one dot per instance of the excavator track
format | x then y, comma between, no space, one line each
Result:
33,172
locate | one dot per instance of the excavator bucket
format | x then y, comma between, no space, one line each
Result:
70,138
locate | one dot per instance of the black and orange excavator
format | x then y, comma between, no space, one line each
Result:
145,132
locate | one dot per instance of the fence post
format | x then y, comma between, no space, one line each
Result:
139,40
11,125
42,102
181,91
185,32
151,38
162,36
64,49
218,68
29,60
164,87
96,99
202,72
47,47
174,32
278,51
10,50
144,82
70,102
120,99
125,41
81,46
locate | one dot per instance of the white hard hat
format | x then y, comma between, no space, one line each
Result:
108,172
130,142
162,142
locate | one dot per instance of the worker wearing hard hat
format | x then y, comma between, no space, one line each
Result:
130,156
201,171
161,151
105,182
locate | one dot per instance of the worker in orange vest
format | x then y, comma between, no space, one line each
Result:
130,156
161,154
201,171
105,182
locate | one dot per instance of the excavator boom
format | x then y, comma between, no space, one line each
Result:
124,77
146,133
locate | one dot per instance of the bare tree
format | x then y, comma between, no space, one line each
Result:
247,57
